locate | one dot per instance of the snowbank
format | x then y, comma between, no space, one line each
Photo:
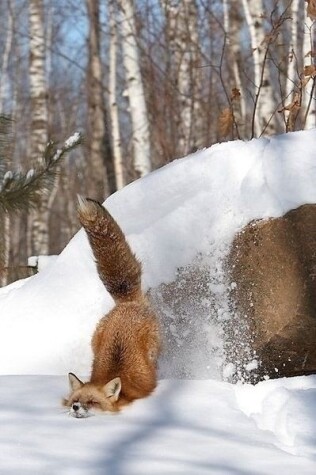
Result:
189,208
182,216
287,408
187,427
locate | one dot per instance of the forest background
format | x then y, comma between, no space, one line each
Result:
144,82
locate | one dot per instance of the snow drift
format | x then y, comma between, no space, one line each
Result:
178,219
181,221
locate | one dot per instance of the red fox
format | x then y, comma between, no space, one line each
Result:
126,342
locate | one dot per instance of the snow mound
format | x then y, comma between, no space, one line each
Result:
180,216
286,407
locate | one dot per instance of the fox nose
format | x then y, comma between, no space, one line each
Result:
75,407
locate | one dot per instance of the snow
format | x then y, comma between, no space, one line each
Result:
41,261
71,141
177,219
286,407
30,174
187,427
7,176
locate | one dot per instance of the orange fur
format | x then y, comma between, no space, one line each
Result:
126,341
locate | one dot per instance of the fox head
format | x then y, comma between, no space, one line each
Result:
86,397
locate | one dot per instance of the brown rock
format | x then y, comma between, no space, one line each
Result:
273,263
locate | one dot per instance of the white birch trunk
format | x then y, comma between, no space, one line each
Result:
226,17
292,99
39,118
135,90
292,76
264,119
309,99
38,88
114,115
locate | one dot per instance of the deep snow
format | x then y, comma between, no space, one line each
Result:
186,427
178,219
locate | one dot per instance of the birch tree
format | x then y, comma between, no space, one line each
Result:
39,117
295,78
115,122
135,89
183,42
309,96
293,68
264,104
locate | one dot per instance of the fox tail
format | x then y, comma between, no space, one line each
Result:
118,268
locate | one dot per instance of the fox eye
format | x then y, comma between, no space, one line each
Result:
93,403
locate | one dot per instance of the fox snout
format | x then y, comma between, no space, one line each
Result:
77,410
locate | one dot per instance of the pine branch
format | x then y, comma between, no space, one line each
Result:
22,191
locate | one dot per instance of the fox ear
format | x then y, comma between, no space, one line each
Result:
74,382
113,388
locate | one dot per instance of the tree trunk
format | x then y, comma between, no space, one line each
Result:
232,27
39,119
5,224
264,111
99,150
183,41
4,79
135,90
294,80
5,219
292,76
115,124
309,95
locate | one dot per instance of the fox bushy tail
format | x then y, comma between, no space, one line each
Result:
118,268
